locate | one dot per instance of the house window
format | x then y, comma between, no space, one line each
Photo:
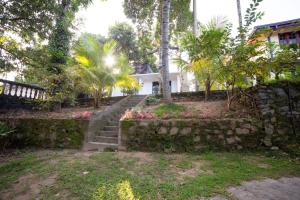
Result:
288,38
292,38
282,39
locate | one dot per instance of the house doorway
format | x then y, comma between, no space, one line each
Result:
156,87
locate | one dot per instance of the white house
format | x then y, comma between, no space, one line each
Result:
282,33
150,81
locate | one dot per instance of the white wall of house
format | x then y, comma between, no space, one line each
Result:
274,38
146,83
146,88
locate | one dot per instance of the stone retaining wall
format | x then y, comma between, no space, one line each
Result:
279,105
190,135
47,133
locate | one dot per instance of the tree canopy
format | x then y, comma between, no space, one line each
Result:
26,22
126,37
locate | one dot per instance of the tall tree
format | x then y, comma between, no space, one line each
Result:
126,37
59,44
239,11
165,51
151,15
195,25
195,31
25,20
147,15
26,23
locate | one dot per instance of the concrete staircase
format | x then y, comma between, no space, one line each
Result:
104,129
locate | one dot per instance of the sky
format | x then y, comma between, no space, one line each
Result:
99,16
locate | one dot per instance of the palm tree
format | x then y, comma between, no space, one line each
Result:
164,46
206,52
93,73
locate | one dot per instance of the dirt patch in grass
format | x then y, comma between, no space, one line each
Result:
65,194
27,187
197,169
185,167
258,161
142,157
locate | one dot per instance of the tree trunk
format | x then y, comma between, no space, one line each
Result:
241,31
195,25
239,10
195,32
207,88
165,51
96,99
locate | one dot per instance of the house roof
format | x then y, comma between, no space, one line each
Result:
142,68
277,25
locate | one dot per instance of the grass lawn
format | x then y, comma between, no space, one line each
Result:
134,175
171,109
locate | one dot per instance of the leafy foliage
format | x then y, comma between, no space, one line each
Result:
29,22
282,60
147,14
92,72
206,52
125,35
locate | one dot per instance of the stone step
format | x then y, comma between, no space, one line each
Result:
113,123
103,139
111,128
107,133
133,101
99,146
131,105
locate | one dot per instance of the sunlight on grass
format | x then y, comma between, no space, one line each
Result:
125,191
121,191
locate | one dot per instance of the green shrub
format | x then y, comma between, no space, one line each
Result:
152,100
5,135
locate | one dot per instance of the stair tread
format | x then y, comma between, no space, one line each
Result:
106,137
102,143
108,131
